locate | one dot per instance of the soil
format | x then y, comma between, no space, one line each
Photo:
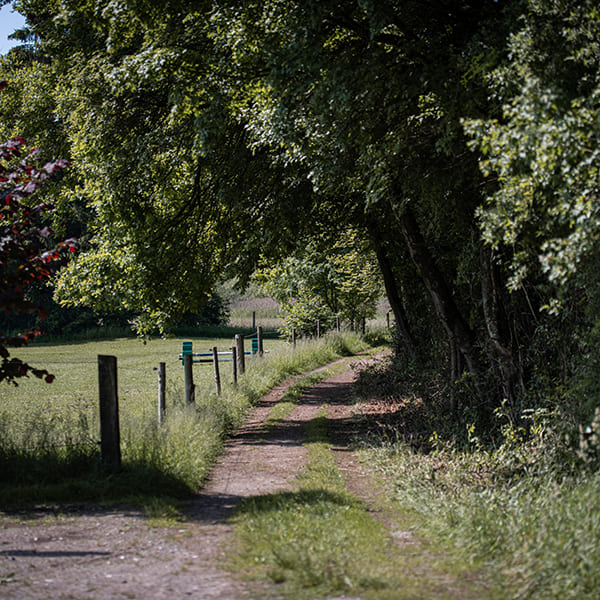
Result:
95,553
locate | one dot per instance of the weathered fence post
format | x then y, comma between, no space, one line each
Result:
337,324
241,358
318,328
188,371
259,335
253,320
234,362
110,436
364,325
216,366
294,337
162,386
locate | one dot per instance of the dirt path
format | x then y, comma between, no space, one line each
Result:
91,553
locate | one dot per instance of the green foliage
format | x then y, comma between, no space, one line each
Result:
314,284
221,137
544,149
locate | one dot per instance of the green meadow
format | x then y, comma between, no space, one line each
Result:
76,369
49,433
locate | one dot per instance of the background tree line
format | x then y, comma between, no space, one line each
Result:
455,143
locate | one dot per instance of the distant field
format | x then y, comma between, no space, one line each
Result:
266,313
76,384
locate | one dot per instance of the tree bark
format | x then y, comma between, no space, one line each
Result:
456,370
393,296
498,330
445,307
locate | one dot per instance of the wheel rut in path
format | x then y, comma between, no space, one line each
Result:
94,553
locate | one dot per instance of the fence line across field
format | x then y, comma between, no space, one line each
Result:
109,403
107,379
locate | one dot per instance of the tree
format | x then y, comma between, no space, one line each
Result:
26,253
222,133
544,151
369,98
541,217
336,282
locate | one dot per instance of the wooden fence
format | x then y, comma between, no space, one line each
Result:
110,442
107,384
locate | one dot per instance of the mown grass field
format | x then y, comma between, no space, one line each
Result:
76,370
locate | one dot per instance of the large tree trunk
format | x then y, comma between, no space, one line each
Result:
499,331
393,296
445,307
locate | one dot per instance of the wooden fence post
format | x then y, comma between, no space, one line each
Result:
294,337
188,371
110,436
241,357
234,362
162,386
216,366
318,328
259,335
364,325
337,324
253,320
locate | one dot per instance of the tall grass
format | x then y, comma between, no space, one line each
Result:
517,507
49,433
539,535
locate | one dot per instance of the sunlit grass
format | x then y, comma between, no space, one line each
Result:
49,433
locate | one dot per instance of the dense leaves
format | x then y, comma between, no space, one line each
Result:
545,149
338,285
457,141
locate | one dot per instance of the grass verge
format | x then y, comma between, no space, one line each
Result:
48,435
539,536
517,508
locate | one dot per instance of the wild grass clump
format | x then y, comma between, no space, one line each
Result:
40,445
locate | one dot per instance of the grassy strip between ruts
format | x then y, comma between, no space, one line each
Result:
321,540
293,394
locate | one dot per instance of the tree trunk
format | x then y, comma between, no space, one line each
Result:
393,296
498,330
445,307
456,370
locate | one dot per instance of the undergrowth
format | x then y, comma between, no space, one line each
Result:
515,495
